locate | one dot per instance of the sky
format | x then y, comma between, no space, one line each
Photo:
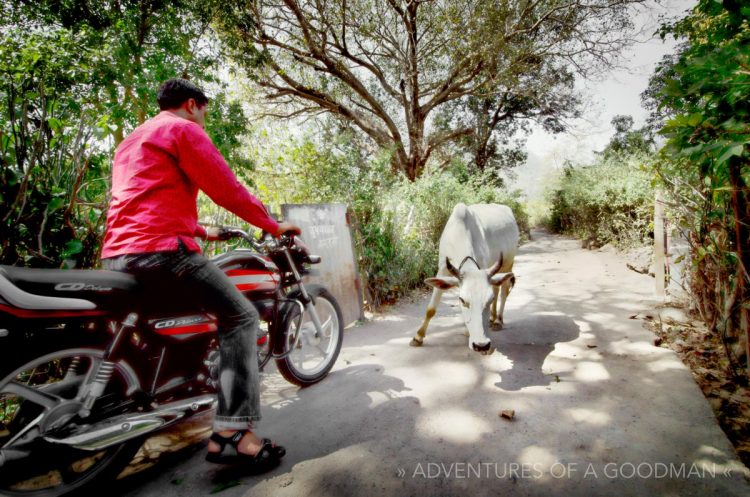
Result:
613,94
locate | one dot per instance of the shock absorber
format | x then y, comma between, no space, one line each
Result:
96,388
105,368
72,370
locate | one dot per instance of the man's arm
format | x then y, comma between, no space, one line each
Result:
203,164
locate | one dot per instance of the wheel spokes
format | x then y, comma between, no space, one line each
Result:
37,396
311,348
304,353
325,327
33,399
22,433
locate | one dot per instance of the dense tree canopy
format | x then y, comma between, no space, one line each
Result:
388,66
627,140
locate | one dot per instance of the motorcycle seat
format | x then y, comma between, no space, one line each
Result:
94,285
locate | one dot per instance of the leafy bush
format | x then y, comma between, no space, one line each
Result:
416,213
52,189
73,83
396,223
610,201
702,95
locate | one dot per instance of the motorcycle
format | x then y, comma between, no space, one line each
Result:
93,362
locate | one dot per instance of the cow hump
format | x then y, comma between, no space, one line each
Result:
460,210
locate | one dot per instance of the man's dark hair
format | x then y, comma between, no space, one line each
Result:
174,92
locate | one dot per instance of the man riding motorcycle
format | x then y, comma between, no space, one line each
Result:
151,224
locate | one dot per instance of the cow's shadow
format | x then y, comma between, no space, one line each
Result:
527,342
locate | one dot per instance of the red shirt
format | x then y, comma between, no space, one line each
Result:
156,175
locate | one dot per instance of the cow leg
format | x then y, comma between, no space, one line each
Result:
495,323
505,290
431,309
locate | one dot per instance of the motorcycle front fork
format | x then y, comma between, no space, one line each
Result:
307,300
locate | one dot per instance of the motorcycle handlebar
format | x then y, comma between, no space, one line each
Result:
227,233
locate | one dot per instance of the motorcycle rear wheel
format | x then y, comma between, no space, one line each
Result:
308,358
38,397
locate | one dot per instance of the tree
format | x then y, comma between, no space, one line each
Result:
75,77
50,174
706,93
147,41
388,66
500,122
626,140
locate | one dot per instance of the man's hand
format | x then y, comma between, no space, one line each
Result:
286,227
213,233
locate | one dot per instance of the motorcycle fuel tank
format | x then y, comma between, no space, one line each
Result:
250,272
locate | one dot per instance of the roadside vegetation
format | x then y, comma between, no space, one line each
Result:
400,125
701,96
610,200
698,99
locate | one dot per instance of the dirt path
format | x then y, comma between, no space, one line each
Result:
598,409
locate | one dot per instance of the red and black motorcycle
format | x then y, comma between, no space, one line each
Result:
92,362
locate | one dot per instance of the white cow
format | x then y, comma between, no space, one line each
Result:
481,240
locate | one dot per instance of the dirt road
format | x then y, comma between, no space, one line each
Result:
598,409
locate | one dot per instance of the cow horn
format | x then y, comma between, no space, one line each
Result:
494,269
451,269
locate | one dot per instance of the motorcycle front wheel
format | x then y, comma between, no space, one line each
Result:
40,397
308,356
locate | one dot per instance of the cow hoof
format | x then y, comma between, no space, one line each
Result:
497,326
415,343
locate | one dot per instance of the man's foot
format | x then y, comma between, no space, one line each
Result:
249,444
244,447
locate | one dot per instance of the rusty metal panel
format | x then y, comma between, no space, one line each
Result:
326,232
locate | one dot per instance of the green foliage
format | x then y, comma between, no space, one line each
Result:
610,201
396,222
228,126
500,122
710,88
628,140
705,163
51,184
75,78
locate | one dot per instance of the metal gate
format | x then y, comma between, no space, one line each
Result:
326,232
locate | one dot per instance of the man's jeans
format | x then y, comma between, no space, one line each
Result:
239,392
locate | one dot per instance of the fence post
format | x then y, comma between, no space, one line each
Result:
659,248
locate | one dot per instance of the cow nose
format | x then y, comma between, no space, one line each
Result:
482,349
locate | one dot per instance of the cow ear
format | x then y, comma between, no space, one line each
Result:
442,282
500,278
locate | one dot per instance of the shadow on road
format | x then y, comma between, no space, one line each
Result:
527,342
356,404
